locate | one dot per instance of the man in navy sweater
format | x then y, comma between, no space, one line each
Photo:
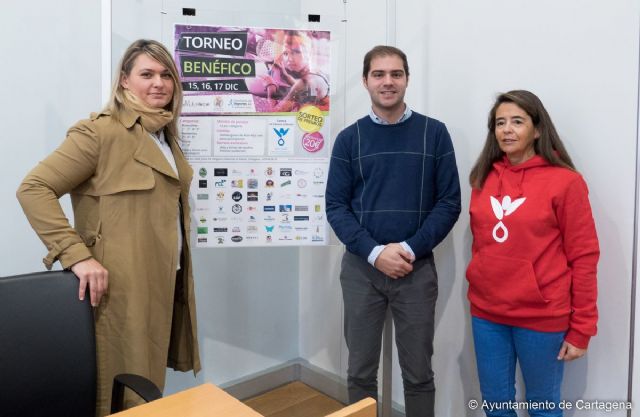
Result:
392,195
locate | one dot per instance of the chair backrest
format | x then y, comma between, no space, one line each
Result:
47,347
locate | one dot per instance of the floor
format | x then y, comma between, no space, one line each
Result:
293,400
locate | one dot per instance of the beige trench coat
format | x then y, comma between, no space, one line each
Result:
126,199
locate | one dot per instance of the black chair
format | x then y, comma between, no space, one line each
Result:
47,350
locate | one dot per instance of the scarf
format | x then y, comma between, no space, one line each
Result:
152,119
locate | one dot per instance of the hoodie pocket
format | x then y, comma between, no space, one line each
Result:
504,286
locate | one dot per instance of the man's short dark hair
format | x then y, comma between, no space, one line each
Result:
383,50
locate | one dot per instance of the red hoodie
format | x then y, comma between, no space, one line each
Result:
535,250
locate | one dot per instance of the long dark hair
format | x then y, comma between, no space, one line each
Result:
548,145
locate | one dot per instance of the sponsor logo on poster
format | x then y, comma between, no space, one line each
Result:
220,183
220,240
220,172
279,143
269,229
269,208
220,230
252,183
203,230
202,183
285,172
252,196
301,183
203,196
202,172
236,208
236,196
284,184
236,238
312,142
220,195
284,207
202,240
317,236
237,183
301,208
300,218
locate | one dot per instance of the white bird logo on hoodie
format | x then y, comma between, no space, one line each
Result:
501,210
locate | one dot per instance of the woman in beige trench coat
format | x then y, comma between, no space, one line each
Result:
129,185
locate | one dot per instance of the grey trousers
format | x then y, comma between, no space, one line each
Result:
367,292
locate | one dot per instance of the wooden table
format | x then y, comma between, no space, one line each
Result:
205,400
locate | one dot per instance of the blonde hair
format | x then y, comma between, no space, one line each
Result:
157,51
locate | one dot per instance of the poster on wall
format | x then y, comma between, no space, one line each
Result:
254,126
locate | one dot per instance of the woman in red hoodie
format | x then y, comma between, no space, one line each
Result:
532,275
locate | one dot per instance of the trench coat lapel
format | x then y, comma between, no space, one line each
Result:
149,153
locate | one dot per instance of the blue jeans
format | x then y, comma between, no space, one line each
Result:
498,347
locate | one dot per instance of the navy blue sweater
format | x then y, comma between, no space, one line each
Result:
393,183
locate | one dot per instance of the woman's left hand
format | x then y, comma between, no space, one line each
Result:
568,352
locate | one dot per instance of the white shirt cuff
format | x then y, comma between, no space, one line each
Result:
374,254
406,247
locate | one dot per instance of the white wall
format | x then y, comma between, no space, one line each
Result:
51,78
581,58
257,307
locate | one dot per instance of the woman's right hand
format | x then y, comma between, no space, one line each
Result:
90,272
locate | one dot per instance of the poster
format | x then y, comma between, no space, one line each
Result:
255,124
